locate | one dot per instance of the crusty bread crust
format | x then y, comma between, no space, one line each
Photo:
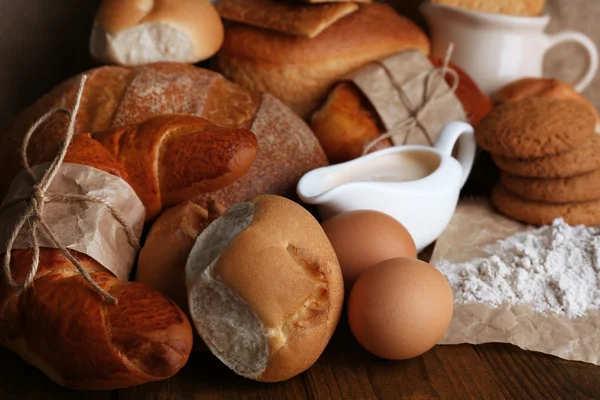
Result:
63,327
284,269
300,71
117,96
193,27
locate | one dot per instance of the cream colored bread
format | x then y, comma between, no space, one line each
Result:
524,8
265,288
301,71
136,32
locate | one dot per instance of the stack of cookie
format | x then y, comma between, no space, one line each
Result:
549,157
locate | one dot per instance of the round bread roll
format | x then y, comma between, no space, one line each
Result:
542,87
136,32
347,122
162,260
265,288
301,71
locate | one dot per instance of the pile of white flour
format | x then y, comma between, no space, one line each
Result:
555,269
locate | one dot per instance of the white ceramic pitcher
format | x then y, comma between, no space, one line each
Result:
417,185
498,49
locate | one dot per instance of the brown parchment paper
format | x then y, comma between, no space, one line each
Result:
88,228
474,226
410,69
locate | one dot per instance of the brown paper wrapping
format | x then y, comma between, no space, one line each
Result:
86,227
474,226
410,69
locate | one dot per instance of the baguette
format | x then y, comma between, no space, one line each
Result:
67,330
174,158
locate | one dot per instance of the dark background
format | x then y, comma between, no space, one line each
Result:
43,42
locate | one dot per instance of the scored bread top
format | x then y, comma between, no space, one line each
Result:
116,96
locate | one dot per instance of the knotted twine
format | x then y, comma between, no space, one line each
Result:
433,80
33,215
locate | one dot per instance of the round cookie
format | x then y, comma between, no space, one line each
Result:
578,161
578,188
536,127
538,213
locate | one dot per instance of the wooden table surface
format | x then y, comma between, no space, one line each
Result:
346,371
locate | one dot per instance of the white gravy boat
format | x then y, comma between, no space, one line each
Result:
417,185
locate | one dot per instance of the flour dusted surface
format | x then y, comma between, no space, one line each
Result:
555,268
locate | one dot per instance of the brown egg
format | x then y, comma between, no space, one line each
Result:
400,308
363,238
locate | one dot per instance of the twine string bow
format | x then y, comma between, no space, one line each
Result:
33,215
433,80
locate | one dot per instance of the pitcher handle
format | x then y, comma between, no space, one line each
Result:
590,48
464,134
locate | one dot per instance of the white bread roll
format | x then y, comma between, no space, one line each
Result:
136,32
265,289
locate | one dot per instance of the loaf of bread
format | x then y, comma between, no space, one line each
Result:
67,330
265,289
174,158
301,71
117,96
542,87
347,122
162,260
294,18
136,32
523,8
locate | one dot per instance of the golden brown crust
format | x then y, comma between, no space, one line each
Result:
291,18
162,260
285,244
300,71
539,213
197,22
173,158
144,338
71,333
101,96
347,121
286,147
536,127
346,124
